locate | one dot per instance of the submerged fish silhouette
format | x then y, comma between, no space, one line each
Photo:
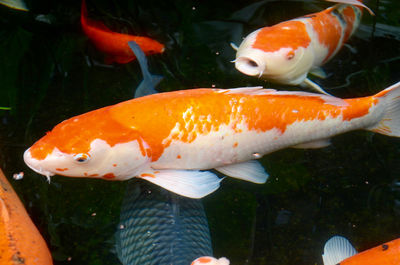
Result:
160,227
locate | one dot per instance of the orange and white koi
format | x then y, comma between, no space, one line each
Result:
169,138
286,52
338,250
20,240
210,261
113,44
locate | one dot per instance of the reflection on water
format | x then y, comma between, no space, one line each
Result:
50,72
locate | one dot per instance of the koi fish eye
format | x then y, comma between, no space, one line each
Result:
82,158
290,55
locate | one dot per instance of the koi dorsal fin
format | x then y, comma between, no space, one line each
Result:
256,90
354,3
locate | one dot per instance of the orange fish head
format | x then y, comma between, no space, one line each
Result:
273,55
89,145
149,46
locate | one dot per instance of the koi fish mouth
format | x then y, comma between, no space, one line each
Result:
248,66
34,164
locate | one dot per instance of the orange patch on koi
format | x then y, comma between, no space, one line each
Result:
204,259
285,35
147,175
61,169
109,176
328,29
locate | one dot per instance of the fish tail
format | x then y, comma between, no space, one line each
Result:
83,12
389,124
354,3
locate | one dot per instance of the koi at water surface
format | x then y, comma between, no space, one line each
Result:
113,44
170,138
286,52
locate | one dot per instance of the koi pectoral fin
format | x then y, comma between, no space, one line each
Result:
336,250
251,171
189,183
310,84
318,72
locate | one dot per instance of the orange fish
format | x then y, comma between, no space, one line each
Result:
338,250
286,52
169,138
20,241
113,44
210,261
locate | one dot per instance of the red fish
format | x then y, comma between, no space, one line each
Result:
286,52
113,44
168,138
20,241
338,250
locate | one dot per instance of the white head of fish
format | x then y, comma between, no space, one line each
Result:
118,162
285,66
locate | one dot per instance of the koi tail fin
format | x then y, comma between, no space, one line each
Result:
83,12
354,3
390,122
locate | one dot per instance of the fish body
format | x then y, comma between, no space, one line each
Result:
20,240
338,250
286,52
207,260
113,44
161,227
169,138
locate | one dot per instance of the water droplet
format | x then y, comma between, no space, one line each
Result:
93,214
121,226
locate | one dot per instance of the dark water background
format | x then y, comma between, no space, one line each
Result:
348,188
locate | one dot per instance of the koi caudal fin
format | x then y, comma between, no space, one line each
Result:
389,124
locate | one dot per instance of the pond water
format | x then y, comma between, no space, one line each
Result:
50,72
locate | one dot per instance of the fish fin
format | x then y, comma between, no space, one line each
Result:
318,72
250,171
189,183
257,90
336,250
354,3
149,83
148,88
351,48
89,22
234,46
310,84
314,144
16,4
389,124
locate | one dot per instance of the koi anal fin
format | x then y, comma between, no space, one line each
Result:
189,183
250,171
389,99
336,250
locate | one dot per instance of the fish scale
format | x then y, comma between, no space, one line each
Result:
160,227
